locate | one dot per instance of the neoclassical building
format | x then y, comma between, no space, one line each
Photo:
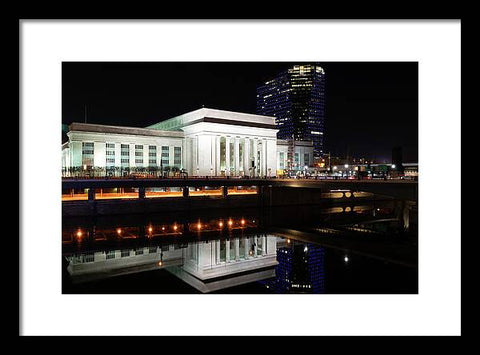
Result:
204,142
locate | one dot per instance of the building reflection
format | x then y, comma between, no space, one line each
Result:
207,265
214,254
300,269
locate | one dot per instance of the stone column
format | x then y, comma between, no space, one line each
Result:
227,250
237,249
236,150
91,194
264,157
254,154
141,192
255,247
264,245
217,155
227,156
217,252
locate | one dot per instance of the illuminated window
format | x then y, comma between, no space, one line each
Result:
306,158
177,156
139,155
165,155
87,153
152,155
125,155
281,159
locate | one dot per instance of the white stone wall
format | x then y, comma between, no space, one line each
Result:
204,261
77,137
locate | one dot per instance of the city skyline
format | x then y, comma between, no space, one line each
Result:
370,106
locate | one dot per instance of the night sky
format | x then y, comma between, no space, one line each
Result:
370,106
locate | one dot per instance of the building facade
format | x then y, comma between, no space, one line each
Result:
204,142
296,98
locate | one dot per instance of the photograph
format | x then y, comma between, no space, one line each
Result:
239,177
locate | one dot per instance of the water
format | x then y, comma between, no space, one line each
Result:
367,248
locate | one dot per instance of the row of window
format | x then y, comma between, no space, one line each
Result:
282,160
88,153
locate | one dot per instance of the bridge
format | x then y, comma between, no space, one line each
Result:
397,188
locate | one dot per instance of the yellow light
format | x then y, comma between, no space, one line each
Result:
79,233
119,231
175,227
199,225
163,228
230,222
220,224
160,263
288,241
242,221
150,229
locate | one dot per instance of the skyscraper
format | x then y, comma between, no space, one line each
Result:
296,98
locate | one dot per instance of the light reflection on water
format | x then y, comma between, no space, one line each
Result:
234,253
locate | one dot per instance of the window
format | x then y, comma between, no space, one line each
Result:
177,156
139,154
297,158
232,155
139,251
152,250
165,156
110,155
152,155
222,153
281,159
110,254
125,253
306,158
87,153
241,148
125,154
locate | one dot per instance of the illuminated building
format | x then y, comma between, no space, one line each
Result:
296,98
204,142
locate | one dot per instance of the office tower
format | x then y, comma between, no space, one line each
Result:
296,98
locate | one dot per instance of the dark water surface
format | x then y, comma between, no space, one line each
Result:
367,248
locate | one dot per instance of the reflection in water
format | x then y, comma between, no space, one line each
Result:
207,265
238,252
300,269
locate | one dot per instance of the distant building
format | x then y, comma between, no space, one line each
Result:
296,98
204,142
